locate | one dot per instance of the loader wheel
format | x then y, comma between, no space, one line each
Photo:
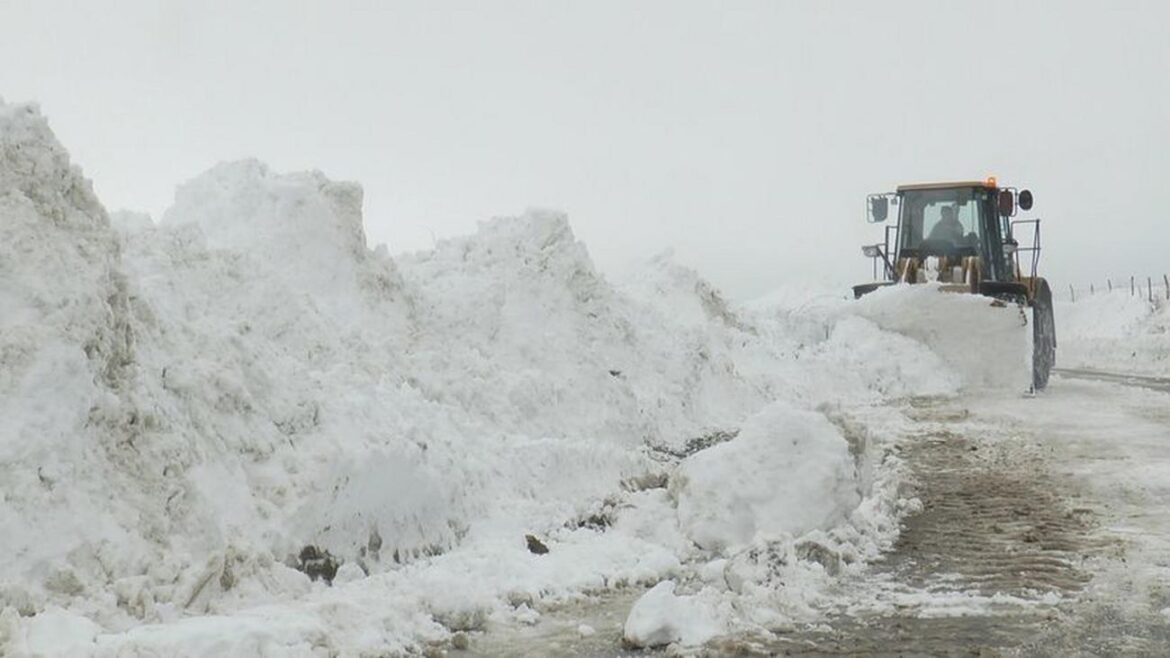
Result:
1043,336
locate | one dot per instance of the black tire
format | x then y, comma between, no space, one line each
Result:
1043,335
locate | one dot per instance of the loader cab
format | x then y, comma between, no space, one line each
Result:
957,234
953,221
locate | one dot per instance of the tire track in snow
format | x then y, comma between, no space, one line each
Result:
993,521
980,570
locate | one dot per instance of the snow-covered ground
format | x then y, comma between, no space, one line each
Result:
1115,332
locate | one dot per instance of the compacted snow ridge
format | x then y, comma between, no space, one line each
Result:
242,431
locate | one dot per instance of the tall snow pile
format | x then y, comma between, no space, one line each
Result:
242,431
1115,332
79,493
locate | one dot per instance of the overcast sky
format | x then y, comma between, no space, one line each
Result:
743,134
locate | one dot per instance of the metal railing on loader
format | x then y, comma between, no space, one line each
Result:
1033,250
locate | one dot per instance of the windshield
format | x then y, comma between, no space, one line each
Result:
942,222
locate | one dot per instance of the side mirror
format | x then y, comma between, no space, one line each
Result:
1010,247
871,250
1007,204
879,208
1026,200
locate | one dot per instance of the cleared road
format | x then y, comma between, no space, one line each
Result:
1045,530
1153,383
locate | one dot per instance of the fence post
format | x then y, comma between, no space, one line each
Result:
1131,288
1072,294
1092,290
1109,282
1149,290
1166,280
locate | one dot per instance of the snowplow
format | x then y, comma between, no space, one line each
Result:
961,237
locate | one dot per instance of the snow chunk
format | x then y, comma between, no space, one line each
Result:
788,472
660,617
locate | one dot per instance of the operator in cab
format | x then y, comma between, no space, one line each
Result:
948,228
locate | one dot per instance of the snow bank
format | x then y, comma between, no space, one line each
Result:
200,413
1114,332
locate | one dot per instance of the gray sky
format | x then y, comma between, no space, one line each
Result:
743,134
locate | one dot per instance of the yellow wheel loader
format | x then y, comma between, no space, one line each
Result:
961,237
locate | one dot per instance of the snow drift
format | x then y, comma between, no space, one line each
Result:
201,414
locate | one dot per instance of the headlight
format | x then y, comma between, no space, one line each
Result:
872,250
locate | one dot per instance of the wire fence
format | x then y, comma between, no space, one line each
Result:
1150,288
